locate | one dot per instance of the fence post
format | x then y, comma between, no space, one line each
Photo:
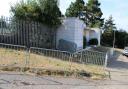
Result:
27,58
70,59
81,56
106,60
105,66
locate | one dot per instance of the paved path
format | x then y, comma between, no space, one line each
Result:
119,79
118,67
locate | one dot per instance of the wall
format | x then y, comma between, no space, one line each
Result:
72,31
93,33
79,33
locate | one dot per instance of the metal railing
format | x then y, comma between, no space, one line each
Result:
84,57
23,45
15,56
92,57
12,55
26,33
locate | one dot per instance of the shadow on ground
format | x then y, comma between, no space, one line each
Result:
118,61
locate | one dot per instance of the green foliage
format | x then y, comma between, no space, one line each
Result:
75,8
121,38
3,24
108,35
44,11
94,14
126,40
28,10
93,42
84,42
109,24
51,12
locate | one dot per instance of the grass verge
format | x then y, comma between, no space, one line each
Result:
12,60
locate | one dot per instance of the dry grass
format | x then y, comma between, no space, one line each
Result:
10,57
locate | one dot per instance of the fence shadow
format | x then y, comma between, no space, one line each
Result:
118,61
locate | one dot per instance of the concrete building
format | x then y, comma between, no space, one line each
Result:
92,33
70,34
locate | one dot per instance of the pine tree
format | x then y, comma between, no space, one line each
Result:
108,35
94,14
109,25
75,8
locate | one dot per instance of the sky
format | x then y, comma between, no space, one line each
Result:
116,8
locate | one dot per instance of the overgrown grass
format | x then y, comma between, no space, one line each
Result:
13,60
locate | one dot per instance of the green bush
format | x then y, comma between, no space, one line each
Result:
84,42
93,42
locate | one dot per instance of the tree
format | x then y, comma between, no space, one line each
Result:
26,10
3,24
51,12
94,14
109,24
75,8
44,11
126,40
108,35
121,38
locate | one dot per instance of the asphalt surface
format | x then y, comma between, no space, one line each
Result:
118,69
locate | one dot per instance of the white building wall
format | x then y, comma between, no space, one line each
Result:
87,36
97,34
79,32
65,31
93,33
71,30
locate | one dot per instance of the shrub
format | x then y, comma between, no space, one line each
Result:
84,42
93,42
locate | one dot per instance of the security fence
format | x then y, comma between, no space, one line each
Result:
92,57
28,46
35,59
85,57
12,55
26,33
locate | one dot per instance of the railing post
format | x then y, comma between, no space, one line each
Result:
81,57
105,65
70,59
106,60
27,57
